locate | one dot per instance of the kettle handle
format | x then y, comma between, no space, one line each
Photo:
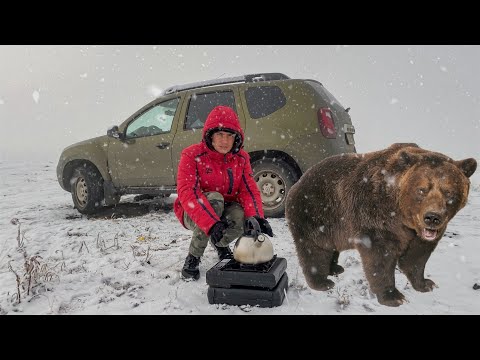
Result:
252,228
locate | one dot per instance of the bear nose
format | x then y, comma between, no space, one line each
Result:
432,218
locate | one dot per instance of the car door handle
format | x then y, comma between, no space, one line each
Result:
163,145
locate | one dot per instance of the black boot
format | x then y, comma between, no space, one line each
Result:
224,252
190,268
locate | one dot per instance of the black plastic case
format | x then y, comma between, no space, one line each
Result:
228,273
249,296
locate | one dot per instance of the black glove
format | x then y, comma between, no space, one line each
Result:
217,231
264,226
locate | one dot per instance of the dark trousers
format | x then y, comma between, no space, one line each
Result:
231,211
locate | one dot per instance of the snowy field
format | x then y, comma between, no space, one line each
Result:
127,260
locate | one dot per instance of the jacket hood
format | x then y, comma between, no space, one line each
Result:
223,118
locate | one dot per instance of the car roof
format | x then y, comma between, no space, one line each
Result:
230,80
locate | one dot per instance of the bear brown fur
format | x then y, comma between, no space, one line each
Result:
392,205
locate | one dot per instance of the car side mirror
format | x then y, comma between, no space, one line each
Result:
113,132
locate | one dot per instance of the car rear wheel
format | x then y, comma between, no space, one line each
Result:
274,180
87,189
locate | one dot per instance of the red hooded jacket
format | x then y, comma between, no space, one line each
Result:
202,169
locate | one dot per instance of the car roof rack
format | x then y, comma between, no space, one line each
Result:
237,79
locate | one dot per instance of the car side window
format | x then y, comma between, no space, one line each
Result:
200,106
264,100
155,121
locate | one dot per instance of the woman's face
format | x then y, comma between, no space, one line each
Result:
222,141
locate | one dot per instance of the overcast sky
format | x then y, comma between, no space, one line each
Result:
53,96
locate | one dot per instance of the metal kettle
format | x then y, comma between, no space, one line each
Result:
253,247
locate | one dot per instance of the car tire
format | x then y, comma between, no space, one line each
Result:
274,179
87,189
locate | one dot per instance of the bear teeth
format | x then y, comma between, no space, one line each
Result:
429,234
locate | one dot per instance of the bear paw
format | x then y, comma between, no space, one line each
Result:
391,298
323,285
336,269
424,285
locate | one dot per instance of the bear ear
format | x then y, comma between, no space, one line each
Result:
468,166
406,159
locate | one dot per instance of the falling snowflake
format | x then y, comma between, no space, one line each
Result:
155,91
36,96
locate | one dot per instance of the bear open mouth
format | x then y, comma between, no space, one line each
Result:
429,234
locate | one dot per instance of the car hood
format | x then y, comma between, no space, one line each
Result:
97,140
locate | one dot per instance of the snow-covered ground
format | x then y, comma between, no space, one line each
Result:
127,260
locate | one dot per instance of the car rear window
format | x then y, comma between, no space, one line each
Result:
264,100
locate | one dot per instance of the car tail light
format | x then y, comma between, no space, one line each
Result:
325,121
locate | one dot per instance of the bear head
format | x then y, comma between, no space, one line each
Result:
432,189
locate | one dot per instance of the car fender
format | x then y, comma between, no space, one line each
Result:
92,150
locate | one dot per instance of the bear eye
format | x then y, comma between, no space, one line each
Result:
450,197
421,191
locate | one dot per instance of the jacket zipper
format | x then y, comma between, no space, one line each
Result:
230,178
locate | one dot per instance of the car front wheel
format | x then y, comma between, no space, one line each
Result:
87,189
274,180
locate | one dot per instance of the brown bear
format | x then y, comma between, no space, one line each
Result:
392,205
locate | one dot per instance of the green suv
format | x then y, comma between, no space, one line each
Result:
289,125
